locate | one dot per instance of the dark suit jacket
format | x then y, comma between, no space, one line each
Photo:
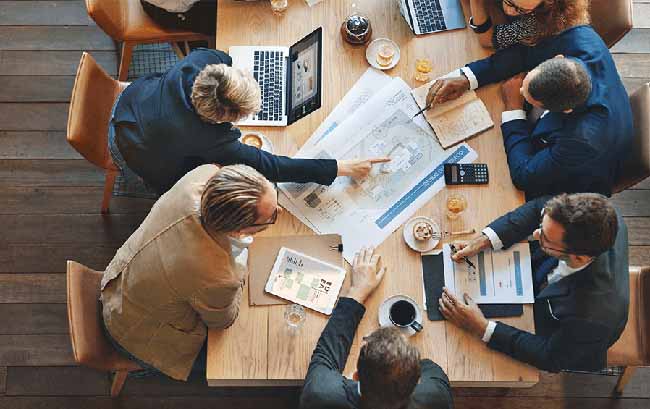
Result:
161,137
577,318
326,388
566,153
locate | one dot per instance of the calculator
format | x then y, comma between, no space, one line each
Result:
466,174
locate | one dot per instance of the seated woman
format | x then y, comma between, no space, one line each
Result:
196,15
526,21
166,124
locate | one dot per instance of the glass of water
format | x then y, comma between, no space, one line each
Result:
279,6
294,315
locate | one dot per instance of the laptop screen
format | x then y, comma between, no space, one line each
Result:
305,76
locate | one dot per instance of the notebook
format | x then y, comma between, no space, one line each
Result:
457,120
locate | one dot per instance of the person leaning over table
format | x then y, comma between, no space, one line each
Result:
580,142
182,271
193,15
390,373
580,276
166,124
527,21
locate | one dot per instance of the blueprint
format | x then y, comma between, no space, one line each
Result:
367,212
498,277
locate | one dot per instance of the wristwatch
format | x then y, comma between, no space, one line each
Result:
481,28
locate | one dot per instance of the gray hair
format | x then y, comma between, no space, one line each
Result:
560,84
225,94
230,199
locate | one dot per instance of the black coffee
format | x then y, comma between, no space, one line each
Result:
402,313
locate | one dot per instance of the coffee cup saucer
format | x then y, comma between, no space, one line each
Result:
384,310
417,245
267,145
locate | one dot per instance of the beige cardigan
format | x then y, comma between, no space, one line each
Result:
171,281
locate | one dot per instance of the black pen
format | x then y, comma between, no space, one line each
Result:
469,263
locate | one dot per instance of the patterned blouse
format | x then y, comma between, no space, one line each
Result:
518,30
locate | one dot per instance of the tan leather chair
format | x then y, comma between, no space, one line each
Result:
127,22
632,349
612,19
636,166
93,96
89,344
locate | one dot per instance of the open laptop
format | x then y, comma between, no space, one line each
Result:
431,16
290,79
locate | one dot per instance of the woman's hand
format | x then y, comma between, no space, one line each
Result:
358,169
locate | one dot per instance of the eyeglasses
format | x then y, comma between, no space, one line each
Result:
542,240
274,216
518,9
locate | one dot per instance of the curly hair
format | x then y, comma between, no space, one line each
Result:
555,16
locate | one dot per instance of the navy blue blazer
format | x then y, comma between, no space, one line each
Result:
566,153
576,318
326,388
161,137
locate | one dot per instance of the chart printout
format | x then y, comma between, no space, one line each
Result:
498,277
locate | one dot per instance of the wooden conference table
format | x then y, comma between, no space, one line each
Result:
257,349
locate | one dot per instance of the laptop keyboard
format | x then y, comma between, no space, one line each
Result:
268,69
429,16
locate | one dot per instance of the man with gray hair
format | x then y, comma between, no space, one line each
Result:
182,271
166,124
584,133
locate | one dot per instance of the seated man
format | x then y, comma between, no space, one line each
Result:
580,276
165,125
388,368
579,145
180,272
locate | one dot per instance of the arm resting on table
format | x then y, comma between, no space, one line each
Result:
573,346
324,381
518,224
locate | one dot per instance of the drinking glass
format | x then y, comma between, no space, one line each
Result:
294,315
279,6
456,205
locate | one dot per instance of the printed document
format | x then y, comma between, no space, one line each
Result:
367,212
498,277
305,280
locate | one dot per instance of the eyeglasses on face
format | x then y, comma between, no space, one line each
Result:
519,9
542,242
274,216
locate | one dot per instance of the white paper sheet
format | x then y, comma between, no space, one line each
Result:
499,277
367,213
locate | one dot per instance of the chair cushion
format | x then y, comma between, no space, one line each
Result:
126,20
612,19
89,344
631,349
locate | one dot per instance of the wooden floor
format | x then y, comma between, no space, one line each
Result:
49,202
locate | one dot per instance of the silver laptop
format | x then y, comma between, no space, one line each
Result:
289,77
431,16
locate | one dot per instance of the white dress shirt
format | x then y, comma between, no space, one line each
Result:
173,6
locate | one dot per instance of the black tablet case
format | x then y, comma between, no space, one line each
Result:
434,279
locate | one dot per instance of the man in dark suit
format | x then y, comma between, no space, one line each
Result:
166,124
580,276
585,133
388,368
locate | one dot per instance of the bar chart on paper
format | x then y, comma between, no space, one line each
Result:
497,277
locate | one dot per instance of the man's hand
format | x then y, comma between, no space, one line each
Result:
447,89
471,248
366,274
511,92
358,169
465,315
